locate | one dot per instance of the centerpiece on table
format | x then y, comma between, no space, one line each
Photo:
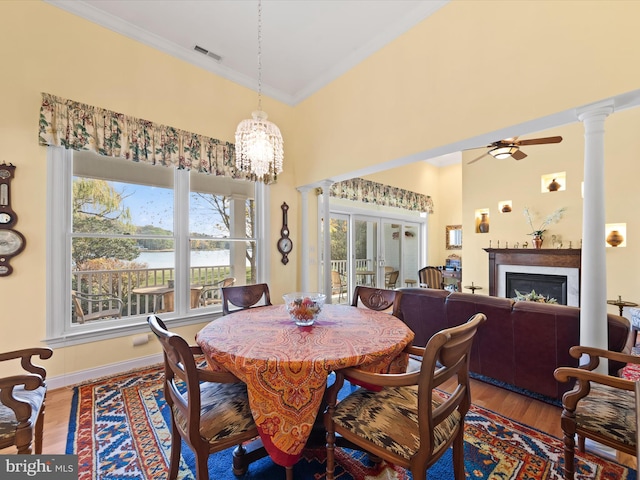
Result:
548,220
532,296
304,307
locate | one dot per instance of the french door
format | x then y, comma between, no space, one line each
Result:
375,251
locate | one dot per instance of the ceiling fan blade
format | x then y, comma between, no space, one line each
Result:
519,155
478,158
539,141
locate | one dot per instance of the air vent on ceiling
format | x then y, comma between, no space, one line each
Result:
206,52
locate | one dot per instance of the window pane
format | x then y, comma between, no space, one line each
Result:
212,261
220,207
138,283
117,196
209,215
122,235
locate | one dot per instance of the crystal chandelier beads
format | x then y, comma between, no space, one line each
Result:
259,146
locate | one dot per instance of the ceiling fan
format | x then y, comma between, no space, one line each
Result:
510,147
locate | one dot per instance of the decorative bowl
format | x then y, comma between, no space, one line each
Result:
304,307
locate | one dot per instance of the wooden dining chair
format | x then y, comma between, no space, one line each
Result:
22,401
211,413
404,425
373,298
431,277
245,296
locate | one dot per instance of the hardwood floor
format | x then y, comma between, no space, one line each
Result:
520,408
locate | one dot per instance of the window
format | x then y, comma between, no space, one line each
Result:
130,238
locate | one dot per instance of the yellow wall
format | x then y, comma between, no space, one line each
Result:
444,186
489,181
449,207
450,78
454,76
44,49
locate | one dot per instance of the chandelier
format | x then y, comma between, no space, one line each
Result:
259,142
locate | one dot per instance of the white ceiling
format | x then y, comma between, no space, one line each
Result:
305,43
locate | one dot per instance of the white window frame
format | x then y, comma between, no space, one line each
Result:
59,330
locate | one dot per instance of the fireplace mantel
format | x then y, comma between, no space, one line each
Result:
542,257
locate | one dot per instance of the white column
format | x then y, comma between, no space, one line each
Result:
304,239
593,290
326,239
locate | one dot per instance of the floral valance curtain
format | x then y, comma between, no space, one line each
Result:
77,126
361,190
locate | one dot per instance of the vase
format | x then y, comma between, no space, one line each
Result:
483,226
537,241
615,238
554,186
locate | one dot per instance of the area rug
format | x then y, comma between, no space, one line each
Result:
120,429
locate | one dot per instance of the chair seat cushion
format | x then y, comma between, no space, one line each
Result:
224,411
389,419
610,412
8,420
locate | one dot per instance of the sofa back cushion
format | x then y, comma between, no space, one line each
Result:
542,336
423,310
622,338
492,354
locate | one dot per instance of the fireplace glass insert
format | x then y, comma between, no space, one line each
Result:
551,286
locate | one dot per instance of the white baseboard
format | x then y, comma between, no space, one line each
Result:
104,371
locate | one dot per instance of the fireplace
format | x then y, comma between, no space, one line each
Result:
550,286
546,262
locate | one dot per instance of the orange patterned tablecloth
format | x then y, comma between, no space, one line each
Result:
285,366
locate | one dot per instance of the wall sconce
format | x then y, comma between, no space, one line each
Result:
616,234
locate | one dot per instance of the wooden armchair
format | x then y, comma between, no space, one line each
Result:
600,407
94,306
431,277
373,298
391,279
22,401
338,287
211,294
408,426
213,414
245,296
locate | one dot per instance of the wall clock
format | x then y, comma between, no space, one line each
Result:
285,245
12,242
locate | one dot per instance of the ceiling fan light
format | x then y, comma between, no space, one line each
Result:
503,152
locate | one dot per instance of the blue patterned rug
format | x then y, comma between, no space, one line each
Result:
120,429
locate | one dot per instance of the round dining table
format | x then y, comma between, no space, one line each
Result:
286,366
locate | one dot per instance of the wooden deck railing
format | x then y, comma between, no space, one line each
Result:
120,283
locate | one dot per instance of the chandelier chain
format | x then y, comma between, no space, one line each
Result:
259,146
259,55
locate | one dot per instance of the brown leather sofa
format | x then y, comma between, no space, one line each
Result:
520,344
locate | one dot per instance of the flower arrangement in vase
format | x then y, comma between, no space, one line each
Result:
532,296
550,219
